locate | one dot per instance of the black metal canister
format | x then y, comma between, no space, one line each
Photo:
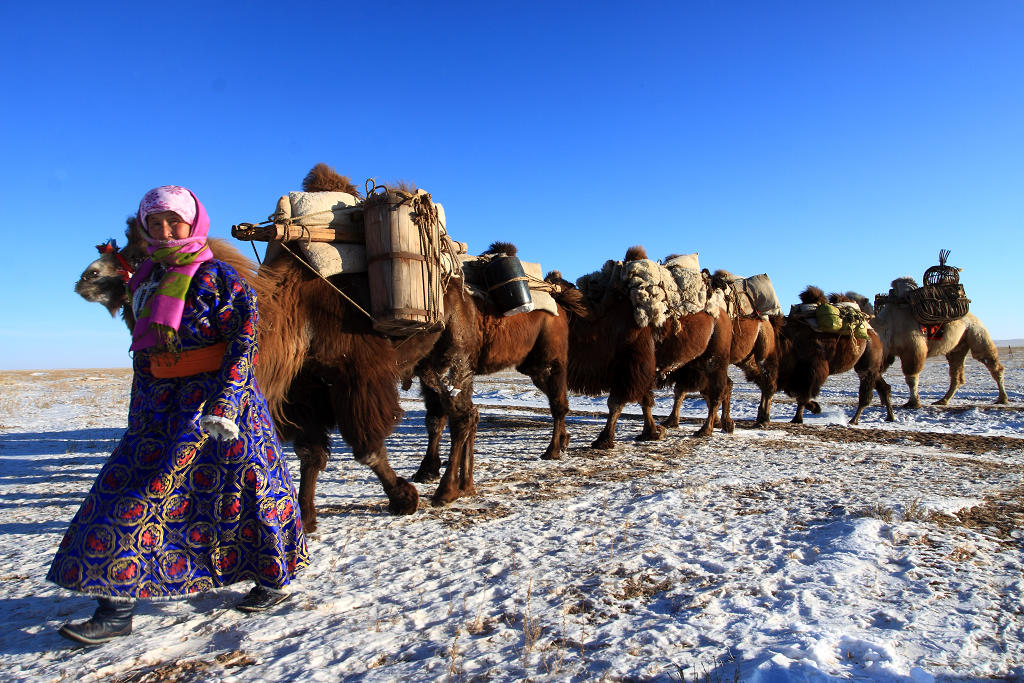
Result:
508,285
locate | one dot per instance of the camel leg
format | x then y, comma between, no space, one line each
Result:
956,359
912,366
457,480
867,385
885,396
728,426
995,368
652,431
313,455
712,395
768,388
402,496
552,382
349,401
606,439
985,352
717,395
430,467
708,426
914,401
672,421
764,408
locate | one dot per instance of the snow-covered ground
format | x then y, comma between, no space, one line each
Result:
823,552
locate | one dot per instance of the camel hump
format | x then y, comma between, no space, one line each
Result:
506,248
812,295
323,178
635,253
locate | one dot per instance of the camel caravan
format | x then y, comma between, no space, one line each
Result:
363,292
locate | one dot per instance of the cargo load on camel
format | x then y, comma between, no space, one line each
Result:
513,286
398,239
657,291
843,318
940,300
752,297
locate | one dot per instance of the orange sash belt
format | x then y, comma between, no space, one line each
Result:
187,363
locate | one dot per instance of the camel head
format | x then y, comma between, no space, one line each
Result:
554,277
721,279
568,295
104,280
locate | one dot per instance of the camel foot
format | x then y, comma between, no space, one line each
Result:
444,496
706,430
657,433
941,402
670,423
426,475
403,499
728,426
309,523
912,404
552,454
761,424
797,420
814,407
890,418
1001,401
603,443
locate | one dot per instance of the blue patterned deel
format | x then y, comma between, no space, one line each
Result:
174,512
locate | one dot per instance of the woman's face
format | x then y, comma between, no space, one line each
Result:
167,225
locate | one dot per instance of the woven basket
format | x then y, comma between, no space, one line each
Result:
938,304
942,274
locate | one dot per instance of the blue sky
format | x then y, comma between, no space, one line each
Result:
840,144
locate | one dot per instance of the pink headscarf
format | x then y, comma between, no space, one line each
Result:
160,317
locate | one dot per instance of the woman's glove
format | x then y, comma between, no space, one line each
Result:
220,428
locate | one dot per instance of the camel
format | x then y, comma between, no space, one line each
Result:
807,357
322,366
535,343
610,352
752,350
869,366
904,338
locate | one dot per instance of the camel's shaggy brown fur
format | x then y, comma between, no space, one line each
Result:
807,357
323,178
752,349
610,352
506,248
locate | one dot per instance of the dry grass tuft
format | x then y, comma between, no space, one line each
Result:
188,670
643,586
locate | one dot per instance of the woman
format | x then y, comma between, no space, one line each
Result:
197,494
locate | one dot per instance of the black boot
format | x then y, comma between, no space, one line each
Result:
261,599
111,619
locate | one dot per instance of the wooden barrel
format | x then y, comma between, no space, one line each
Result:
403,259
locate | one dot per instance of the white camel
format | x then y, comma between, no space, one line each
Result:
902,336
